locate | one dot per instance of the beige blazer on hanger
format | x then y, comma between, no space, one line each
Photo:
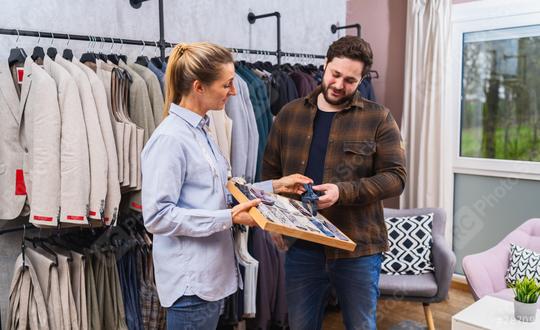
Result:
118,102
139,106
137,132
40,138
74,159
140,113
154,91
105,120
221,130
12,188
96,145
104,72
156,101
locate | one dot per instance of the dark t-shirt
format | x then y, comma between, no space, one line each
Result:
317,152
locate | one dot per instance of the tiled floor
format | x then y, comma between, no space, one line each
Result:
391,312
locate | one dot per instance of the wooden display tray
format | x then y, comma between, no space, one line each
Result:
289,230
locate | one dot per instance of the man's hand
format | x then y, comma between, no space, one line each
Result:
330,197
291,184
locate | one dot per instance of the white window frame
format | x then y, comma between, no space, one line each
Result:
476,16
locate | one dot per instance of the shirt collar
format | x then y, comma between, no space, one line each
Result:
356,102
189,116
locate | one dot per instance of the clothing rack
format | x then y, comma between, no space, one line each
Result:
122,41
334,28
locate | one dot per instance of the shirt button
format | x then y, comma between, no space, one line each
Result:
224,226
309,136
303,162
25,149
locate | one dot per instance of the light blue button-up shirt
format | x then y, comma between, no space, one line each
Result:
184,207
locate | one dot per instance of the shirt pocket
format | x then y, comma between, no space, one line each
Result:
359,157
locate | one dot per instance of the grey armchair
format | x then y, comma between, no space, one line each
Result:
426,288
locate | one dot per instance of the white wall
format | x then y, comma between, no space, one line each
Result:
305,28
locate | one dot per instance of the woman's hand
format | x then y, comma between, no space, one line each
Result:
240,213
291,184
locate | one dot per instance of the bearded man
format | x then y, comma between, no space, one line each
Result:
352,149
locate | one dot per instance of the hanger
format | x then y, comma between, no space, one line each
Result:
121,56
16,55
141,59
68,53
51,51
112,57
156,60
38,53
38,242
89,56
100,55
23,245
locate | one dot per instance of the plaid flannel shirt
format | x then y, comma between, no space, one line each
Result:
365,159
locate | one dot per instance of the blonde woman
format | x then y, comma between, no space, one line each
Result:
184,192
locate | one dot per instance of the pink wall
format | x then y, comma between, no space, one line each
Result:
383,26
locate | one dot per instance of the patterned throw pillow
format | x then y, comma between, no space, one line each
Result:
523,263
410,243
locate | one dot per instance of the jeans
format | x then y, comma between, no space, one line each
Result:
309,277
193,313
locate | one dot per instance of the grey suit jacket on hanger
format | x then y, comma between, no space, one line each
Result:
12,189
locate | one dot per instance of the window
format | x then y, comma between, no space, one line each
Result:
500,110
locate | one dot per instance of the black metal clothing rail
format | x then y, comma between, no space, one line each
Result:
148,43
89,38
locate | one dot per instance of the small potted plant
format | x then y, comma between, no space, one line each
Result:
526,291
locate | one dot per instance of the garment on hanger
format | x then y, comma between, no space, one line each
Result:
271,300
99,288
305,84
261,106
160,75
283,90
41,164
106,121
47,275
27,305
96,145
366,89
220,128
74,157
244,134
76,268
11,152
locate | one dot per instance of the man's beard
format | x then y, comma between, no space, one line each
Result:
343,100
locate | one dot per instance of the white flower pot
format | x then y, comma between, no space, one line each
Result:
525,312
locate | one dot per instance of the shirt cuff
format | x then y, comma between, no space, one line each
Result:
266,186
223,220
